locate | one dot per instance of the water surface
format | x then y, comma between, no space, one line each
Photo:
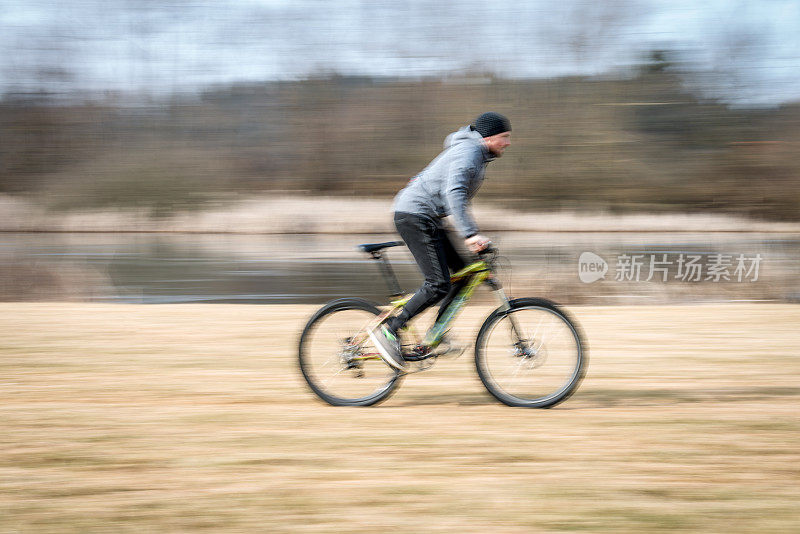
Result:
162,268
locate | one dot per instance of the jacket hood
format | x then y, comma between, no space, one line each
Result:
462,134
467,135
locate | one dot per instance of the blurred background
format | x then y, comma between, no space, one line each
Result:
123,116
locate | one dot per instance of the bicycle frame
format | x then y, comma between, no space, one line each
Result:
477,273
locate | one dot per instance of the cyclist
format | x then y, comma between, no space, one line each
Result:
443,188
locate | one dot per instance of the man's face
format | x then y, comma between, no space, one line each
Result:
498,143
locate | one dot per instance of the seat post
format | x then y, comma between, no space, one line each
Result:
388,273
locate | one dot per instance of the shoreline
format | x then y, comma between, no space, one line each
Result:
296,215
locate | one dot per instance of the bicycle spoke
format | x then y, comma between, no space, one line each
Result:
334,354
547,352
337,373
536,330
515,373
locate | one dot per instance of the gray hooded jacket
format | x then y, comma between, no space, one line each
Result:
447,184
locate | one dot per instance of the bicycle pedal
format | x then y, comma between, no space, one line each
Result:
418,354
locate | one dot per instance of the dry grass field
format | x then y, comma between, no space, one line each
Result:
194,418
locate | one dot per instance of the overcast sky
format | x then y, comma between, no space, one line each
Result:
747,53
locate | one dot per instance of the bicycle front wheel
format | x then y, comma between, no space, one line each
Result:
338,360
531,355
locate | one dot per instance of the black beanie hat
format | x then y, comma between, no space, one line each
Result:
491,123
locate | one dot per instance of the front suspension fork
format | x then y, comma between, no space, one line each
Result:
505,306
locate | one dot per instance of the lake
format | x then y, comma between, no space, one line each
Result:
237,268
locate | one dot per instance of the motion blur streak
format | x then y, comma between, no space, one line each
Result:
745,53
180,152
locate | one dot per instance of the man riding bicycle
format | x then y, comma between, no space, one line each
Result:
443,188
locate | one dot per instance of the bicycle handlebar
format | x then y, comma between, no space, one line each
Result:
490,249
488,254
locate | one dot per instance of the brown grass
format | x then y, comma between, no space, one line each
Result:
193,418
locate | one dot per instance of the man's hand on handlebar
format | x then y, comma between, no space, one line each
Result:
477,243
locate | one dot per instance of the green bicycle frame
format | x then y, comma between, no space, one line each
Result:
477,272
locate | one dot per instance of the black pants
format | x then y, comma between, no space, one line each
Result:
435,256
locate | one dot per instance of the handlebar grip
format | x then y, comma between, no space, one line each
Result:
490,249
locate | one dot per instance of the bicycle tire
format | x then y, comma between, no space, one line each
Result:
307,345
573,373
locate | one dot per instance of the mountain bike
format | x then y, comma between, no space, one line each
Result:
528,353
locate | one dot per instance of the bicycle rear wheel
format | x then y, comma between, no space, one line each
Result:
338,360
532,355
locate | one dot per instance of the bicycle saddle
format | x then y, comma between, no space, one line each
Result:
373,247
